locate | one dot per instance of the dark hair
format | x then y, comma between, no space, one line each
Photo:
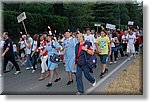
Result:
118,31
87,29
6,33
131,28
104,31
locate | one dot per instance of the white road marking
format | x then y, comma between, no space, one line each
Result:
103,79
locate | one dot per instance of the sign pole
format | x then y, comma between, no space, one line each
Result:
97,28
24,27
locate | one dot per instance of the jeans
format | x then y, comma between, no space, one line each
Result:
28,62
113,52
87,75
34,60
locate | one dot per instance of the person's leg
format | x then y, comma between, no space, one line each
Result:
33,62
111,56
87,74
80,86
57,73
12,59
28,62
115,55
6,59
121,51
51,76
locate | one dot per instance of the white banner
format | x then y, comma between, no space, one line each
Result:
21,17
130,22
110,26
97,25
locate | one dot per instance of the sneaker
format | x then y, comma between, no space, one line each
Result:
94,84
69,82
57,80
32,67
101,75
111,63
33,71
115,61
49,85
17,72
79,93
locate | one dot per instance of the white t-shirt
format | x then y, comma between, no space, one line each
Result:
30,40
22,44
112,43
14,48
131,39
91,39
34,45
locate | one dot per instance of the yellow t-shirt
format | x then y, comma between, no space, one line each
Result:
103,44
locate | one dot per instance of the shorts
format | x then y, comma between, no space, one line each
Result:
103,58
130,48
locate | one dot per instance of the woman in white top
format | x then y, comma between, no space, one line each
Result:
22,50
28,53
113,40
34,55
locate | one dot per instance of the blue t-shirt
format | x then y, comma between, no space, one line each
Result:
50,49
69,45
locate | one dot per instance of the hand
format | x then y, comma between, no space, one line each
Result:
74,66
3,54
109,53
84,48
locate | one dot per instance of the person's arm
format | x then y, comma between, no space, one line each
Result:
134,40
28,45
34,51
3,54
109,48
89,51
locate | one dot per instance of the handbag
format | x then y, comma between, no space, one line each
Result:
55,58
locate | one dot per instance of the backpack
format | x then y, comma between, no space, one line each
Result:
91,61
87,59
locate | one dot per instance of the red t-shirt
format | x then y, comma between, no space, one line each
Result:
42,47
80,49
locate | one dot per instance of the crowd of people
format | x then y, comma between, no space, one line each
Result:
72,48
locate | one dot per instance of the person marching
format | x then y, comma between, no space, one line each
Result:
44,57
138,42
34,55
103,48
82,49
113,40
124,42
69,52
8,53
52,47
131,42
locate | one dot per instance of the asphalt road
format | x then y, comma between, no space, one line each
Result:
27,83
